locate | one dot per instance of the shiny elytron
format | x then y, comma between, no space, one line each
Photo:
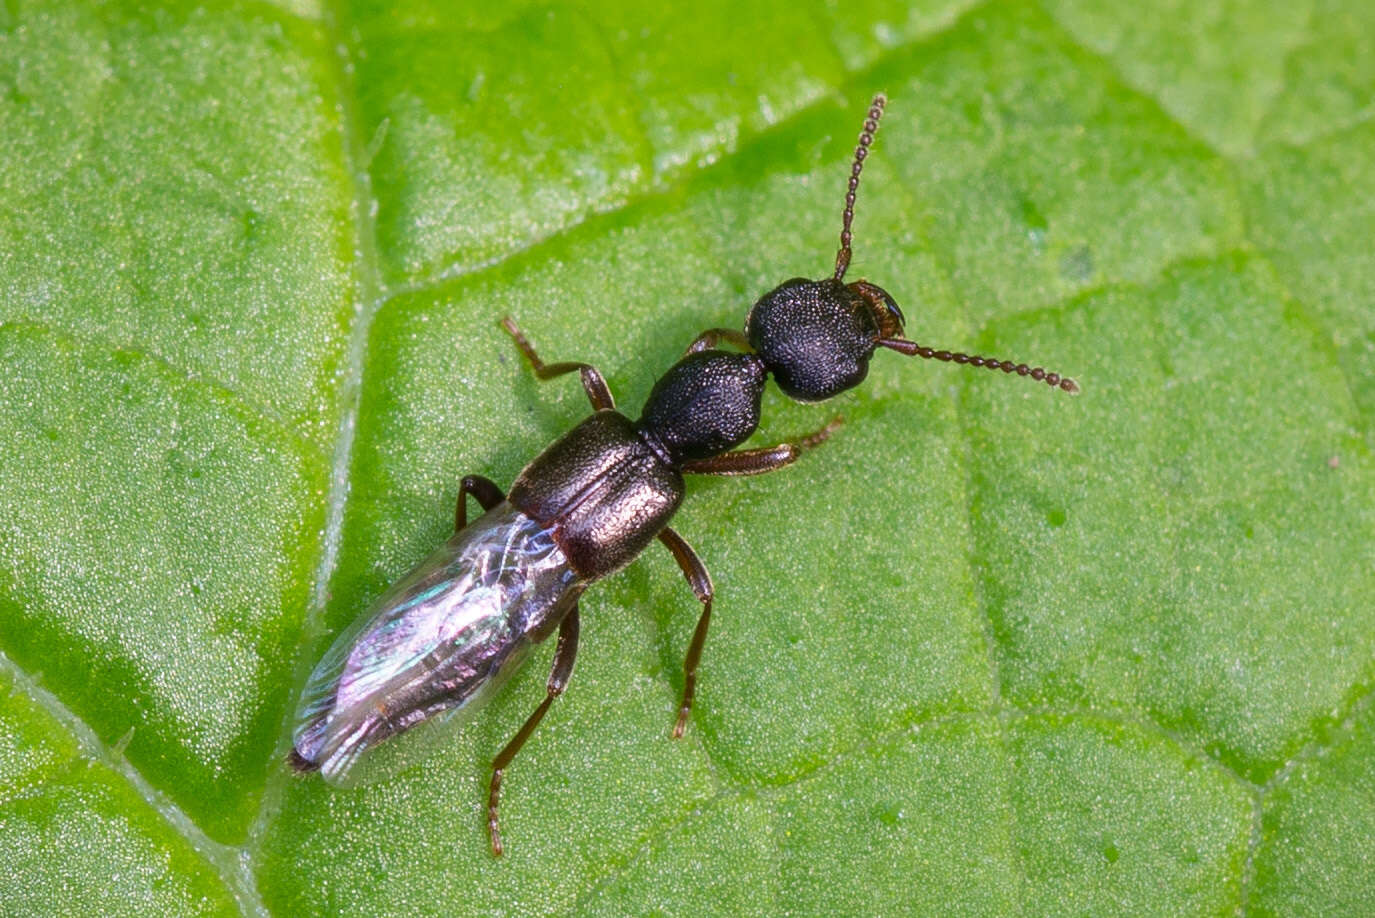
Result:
440,640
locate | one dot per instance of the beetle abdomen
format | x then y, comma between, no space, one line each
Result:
438,641
603,492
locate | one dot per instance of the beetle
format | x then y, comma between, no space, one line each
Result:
443,637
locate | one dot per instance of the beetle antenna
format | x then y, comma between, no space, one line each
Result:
866,138
1040,374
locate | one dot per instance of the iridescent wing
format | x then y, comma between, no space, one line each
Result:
438,642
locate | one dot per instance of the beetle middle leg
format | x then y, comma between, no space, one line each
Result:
598,393
564,653
486,492
761,460
700,581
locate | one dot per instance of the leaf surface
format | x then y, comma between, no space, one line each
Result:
991,650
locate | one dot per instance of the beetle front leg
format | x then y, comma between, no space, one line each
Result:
486,492
564,653
700,581
713,336
761,460
598,392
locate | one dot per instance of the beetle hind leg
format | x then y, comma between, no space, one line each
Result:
486,492
559,674
700,581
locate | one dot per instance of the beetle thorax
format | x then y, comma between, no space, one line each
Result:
706,404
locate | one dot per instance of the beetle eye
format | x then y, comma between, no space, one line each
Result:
887,316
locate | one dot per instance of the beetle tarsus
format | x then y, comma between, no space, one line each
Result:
818,437
492,797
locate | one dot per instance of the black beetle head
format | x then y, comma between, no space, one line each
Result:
816,337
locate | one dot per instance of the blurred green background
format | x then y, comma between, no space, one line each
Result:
991,651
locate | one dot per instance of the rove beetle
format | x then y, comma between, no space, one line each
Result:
443,637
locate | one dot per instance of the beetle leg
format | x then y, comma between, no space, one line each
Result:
712,336
700,581
764,459
486,492
598,393
564,653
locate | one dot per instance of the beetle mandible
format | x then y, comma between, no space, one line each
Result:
442,637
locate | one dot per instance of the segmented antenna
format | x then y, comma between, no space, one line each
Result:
1040,374
866,138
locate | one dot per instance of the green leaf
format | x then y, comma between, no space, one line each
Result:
989,650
